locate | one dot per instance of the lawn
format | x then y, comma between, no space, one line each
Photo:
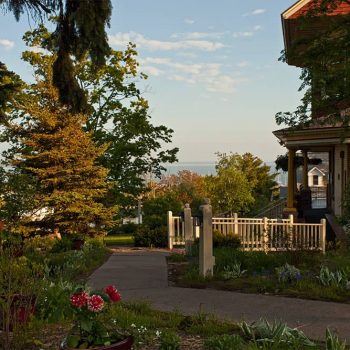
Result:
119,240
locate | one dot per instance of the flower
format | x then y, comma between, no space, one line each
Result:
95,303
113,294
91,325
79,300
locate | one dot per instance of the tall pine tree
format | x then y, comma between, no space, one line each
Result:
53,147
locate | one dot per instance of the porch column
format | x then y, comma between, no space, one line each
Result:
290,209
305,171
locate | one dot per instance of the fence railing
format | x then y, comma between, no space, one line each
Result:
260,234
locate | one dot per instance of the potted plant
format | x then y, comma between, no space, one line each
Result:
91,331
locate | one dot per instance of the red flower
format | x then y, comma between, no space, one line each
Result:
79,300
113,294
95,303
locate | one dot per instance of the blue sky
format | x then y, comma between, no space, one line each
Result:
214,75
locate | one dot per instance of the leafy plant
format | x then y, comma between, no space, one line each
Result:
333,343
224,342
169,341
328,278
288,274
233,271
263,331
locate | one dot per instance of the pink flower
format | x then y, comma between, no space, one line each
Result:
95,303
79,300
113,294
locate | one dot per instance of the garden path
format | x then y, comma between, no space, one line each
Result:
143,275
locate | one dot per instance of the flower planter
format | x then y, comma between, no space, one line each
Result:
124,344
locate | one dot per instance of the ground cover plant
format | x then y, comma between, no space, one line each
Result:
310,275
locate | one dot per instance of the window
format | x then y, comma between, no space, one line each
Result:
315,180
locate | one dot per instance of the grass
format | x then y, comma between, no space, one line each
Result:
120,240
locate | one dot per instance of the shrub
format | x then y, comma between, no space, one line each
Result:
230,240
288,274
169,341
124,229
224,342
62,245
151,237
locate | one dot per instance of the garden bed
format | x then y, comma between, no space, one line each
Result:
316,277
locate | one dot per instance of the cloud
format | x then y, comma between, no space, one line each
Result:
257,27
189,21
243,64
198,35
210,75
255,12
7,44
152,71
243,34
122,39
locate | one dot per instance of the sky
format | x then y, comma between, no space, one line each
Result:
214,75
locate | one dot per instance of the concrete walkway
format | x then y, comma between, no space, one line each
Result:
143,275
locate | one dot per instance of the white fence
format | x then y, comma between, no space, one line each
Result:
258,234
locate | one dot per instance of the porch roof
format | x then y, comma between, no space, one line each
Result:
313,136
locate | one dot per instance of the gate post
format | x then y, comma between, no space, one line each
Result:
188,227
323,235
170,221
206,258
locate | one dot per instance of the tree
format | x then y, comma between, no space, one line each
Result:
50,144
118,116
186,186
243,183
80,30
326,72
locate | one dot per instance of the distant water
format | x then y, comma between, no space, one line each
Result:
208,168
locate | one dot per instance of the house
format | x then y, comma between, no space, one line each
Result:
316,178
319,135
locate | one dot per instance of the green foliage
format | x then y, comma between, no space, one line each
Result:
333,342
145,236
328,278
62,245
169,341
232,272
242,184
228,240
224,342
326,68
278,333
288,273
155,209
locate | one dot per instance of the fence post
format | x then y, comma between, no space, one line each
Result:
170,221
323,235
265,234
290,235
188,227
206,258
235,220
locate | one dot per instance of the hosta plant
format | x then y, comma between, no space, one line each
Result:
91,329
